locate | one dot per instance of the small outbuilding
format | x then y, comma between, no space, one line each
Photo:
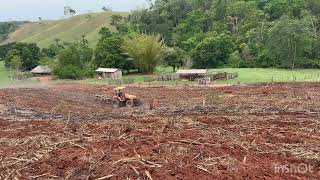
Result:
109,73
41,71
192,74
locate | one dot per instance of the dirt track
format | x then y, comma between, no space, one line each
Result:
61,132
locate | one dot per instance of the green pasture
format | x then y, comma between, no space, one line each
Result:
6,81
246,76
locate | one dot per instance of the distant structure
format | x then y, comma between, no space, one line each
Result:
109,8
108,73
192,74
41,71
69,11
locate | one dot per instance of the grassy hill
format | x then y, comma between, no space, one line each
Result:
68,30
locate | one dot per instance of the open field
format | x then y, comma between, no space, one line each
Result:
59,131
260,75
5,80
68,30
246,76
4,74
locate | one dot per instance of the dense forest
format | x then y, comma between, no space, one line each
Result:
250,33
189,33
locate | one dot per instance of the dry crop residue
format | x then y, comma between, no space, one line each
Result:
61,132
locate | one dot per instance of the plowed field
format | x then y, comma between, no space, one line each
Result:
266,131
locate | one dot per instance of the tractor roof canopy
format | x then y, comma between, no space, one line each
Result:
119,88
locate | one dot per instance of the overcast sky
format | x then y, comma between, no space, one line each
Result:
53,9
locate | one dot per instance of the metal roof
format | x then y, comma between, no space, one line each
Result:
107,70
41,70
192,71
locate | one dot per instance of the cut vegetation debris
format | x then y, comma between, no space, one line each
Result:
61,132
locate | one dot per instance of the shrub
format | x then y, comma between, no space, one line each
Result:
146,51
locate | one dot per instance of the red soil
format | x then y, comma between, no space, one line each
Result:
61,132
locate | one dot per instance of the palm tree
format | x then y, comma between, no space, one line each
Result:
146,51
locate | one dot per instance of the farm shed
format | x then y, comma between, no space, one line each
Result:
109,73
192,74
41,71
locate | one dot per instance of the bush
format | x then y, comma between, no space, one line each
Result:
264,61
309,63
69,65
69,72
74,62
29,53
213,51
235,60
146,51
22,75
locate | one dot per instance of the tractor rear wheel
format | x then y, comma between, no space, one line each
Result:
129,103
116,103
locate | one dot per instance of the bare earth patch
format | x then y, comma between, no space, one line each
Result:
60,132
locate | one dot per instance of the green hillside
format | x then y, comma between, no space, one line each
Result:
67,30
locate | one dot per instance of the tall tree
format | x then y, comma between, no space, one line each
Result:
213,51
277,8
108,52
175,57
28,52
288,42
146,51
69,65
86,53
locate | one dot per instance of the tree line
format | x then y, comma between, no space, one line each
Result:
236,33
133,51
188,33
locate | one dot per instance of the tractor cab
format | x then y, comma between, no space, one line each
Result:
119,93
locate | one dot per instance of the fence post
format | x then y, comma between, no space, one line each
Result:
227,80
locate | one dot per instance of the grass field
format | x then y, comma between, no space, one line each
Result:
5,81
253,75
68,30
246,76
258,75
4,75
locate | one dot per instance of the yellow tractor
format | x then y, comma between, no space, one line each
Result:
122,99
